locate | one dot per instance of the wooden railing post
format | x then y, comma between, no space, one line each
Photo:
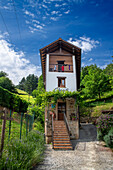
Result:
3,131
52,131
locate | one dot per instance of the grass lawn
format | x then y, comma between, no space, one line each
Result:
96,111
96,105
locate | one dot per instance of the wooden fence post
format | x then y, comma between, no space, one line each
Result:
9,126
21,125
3,131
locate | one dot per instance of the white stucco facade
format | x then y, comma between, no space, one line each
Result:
52,77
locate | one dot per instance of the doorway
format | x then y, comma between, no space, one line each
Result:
60,63
61,110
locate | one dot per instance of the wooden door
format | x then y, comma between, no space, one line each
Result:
61,110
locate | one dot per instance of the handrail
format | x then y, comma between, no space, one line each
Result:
67,124
52,131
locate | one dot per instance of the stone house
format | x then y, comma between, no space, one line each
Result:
61,63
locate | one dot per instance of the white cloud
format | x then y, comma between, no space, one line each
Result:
29,13
83,58
54,12
57,5
54,18
67,12
60,15
86,44
36,21
83,64
44,6
90,59
15,64
38,26
103,67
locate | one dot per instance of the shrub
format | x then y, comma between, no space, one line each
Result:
109,138
99,135
23,154
12,101
104,124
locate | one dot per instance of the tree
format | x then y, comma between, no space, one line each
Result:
109,71
40,90
95,83
84,72
29,83
6,83
21,85
3,74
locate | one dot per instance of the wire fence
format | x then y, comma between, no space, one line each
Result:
14,125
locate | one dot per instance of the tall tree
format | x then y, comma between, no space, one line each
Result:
95,83
6,83
21,84
3,74
109,71
29,83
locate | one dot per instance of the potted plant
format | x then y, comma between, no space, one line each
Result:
73,117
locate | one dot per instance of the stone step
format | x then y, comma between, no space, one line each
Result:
61,142
63,147
61,139
61,136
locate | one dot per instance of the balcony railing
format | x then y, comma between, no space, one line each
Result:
60,68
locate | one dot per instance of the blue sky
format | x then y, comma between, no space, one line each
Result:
28,25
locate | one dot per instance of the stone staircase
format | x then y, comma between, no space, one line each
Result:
61,139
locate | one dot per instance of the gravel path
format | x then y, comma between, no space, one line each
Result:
88,154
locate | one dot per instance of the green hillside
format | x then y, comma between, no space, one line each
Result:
26,96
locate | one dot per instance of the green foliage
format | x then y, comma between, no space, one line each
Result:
99,135
95,82
109,71
104,124
85,111
38,126
28,84
3,74
12,101
24,95
23,154
6,83
109,138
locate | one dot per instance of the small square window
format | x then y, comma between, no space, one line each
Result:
61,81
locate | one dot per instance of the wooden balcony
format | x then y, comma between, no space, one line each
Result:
61,68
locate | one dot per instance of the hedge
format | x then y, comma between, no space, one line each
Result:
12,101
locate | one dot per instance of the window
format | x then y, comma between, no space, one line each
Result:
61,81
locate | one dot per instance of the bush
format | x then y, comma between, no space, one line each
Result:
23,154
12,101
109,138
99,135
104,124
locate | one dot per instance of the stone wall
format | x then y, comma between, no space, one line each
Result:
74,127
70,110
